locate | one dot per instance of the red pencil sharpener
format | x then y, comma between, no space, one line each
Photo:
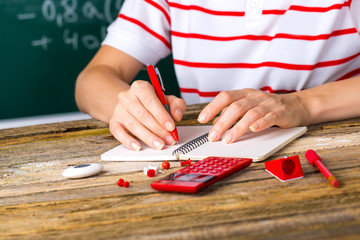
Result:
285,169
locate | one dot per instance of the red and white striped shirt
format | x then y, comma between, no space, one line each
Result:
276,46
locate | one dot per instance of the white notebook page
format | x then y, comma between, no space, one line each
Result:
257,146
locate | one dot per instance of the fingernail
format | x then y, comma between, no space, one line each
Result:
169,140
227,138
254,127
212,136
158,145
202,117
169,126
135,146
178,113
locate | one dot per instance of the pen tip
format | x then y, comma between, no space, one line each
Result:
174,134
335,183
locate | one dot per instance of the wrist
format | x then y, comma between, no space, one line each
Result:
320,104
308,107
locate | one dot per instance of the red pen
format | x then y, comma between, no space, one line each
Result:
158,85
315,160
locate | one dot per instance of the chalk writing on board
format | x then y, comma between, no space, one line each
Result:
66,14
43,42
26,16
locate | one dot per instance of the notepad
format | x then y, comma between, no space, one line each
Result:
257,146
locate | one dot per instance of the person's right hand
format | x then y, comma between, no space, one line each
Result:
140,114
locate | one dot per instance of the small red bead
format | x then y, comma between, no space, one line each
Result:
126,184
165,165
151,172
120,182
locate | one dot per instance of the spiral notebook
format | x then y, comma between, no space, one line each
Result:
193,143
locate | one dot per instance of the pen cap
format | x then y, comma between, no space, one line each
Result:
312,156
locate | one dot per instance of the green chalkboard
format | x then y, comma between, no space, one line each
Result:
44,44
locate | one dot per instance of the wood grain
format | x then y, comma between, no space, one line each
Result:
36,202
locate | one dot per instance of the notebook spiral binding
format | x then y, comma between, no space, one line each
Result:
191,145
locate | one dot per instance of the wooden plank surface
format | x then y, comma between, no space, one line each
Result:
36,202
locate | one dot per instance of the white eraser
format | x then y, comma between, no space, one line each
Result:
83,170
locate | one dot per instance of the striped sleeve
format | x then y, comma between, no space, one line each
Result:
355,13
142,30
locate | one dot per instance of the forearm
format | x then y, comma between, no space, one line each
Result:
97,87
332,101
96,92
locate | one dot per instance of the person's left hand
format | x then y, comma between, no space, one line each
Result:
254,109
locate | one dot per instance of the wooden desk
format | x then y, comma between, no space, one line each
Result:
36,202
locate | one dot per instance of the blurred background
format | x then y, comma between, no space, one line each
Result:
44,45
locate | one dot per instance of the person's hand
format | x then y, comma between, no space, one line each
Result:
252,109
140,114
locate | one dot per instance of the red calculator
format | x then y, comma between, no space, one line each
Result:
201,174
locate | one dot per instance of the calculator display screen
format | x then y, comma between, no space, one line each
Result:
183,177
